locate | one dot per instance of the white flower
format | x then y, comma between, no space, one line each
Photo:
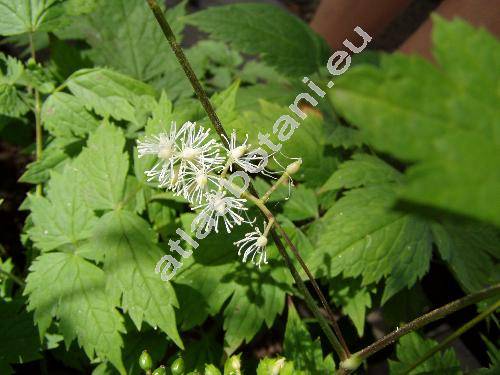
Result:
253,244
250,161
217,206
164,147
196,150
197,181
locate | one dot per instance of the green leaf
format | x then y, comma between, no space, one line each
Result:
412,347
130,40
442,118
299,347
215,273
61,218
72,289
13,103
38,172
19,342
471,251
302,204
23,16
362,236
104,166
282,40
108,93
362,170
354,299
129,263
64,115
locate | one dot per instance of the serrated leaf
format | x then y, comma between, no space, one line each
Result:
362,236
23,16
104,166
443,118
362,170
412,347
72,289
299,347
129,263
64,115
107,92
38,171
471,251
61,218
353,298
280,38
302,204
13,103
130,40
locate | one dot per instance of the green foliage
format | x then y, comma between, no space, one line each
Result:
20,17
412,168
68,287
281,39
19,342
298,344
412,346
444,118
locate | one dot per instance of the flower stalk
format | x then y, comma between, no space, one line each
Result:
339,346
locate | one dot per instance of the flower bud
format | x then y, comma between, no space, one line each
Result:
163,371
211,370
233,365
177,366
145,361
294,167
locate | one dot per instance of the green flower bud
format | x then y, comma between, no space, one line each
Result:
145,361
233,365
211,370
160,371
177,366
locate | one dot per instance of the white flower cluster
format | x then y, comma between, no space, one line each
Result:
194,166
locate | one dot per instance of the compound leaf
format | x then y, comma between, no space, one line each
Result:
129,263
72,289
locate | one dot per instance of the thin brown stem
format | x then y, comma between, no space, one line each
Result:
186,66
442,345
430,317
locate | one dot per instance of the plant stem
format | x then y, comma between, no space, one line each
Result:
260,204
430,317
37,112
442,345
340,347
285,176
14,278
181,57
